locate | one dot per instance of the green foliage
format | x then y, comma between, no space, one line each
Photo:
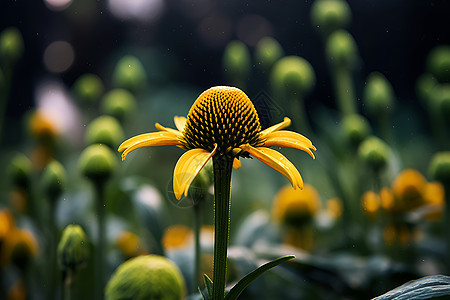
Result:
54,179
330,15
11,45
267,52
97,162
118,103
292,75
88,88
20,170
378,94
130,74
104,130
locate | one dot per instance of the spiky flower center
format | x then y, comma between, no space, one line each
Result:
222,115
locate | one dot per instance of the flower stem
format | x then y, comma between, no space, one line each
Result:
198,209
100,255
222,205
344,90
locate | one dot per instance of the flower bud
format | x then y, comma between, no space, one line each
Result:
73,248
118,103
424,87
53,180
104,130
440,167
97,162
438,63
267,52
374,152
146,277
378,94
129,73
236,60
19,247
341,49
330,15
11,45
441,95
20,170
88,88
294,75
356,128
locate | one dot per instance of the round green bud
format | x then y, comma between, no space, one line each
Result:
53,179
267,52
146,277
97,162
330,15
88,88
341,49
11,44
438,63
378,94
104,130
292,74
118,103
236,59
424,87
440,167
73,248
355,128
20,170
374,152
129,73
441,95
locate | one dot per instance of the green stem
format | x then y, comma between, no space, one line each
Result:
344,90
222,205
51,249
298,114
68,284
100,255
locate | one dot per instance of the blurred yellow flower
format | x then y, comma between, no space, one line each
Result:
224,122
177,236
407,188
19,247
334,207
370,202
130,244
42,127
293,206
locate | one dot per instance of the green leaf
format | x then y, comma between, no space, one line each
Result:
423,288
244,282
209,285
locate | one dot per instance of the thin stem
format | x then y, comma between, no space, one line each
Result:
198,209
299,115
344,90
68,282
100,255
51,248
222,205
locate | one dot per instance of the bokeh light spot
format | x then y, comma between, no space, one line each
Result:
57,5
141,10
58,56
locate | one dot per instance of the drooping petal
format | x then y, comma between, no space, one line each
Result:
164,138
289,139
167,129
179,122
236,163
286,122
277,161
187,167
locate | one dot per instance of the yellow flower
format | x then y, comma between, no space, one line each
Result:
370,202
224,122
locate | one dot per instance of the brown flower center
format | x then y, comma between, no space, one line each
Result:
222,115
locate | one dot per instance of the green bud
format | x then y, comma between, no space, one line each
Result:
53,179
438,63
424,87
202,182
11,44
441,95
20,170
119,103
129,74
341,49
378,94
330,15
356,128
440,167
146,277
73,248
374,152
97,162
292,74
88,88
267,52
236,59
104,130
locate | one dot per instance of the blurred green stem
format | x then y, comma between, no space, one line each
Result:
222,206
299,115
68,281
344,90
51,250
100,254
198,213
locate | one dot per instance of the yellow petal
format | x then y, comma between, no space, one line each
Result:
236,163
179,123
277,161
286,122
162,128
187,167
147,140
289,139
